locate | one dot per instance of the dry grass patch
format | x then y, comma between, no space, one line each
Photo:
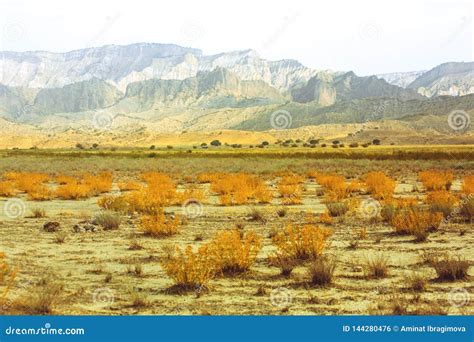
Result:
451,268
108,220
376,266
321,271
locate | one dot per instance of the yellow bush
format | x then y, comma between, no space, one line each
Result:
413,220
63,179
190,270
26,181
441,201
72,191
436,180
98,184
115,203
379,185
159,225
190,194
290,190
128,186
467,186
240,188
7,189
40,192
7,276
326,218
209,177
335,187
235,252
301,242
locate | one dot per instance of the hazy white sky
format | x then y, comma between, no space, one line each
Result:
365,36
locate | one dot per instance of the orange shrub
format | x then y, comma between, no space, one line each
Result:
301,242
40,192
235,252
291,178
7,189
326,218
115,203
394,204
63,179
436,180
414,220
26,181
240,188
355,186
158,224
379,185
5,269
290,189
334,186
73,191
290,193
151,199
209,177
7,276
467,186
98,184
190,270
128,186
441,201
190,194
161,189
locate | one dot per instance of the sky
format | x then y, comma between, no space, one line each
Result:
368,37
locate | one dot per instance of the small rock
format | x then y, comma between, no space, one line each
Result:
77,229
51,226
90,227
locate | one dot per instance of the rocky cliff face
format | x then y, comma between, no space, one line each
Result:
328,89
452,79
401,79
122,65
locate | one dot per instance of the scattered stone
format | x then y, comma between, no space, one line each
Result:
77,229
85,228
90,228
51,226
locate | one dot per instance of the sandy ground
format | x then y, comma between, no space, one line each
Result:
94,267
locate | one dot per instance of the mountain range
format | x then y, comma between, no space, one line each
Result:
168,88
